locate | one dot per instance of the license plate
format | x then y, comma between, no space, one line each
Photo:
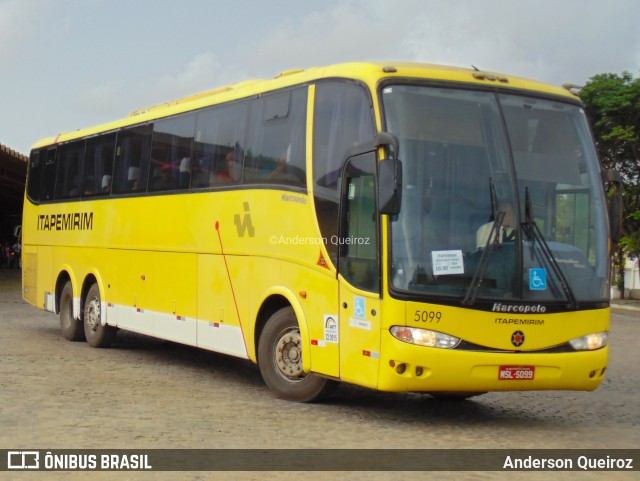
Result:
516,373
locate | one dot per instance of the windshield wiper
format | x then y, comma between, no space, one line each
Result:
487,250
533,233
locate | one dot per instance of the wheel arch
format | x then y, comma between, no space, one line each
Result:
271,302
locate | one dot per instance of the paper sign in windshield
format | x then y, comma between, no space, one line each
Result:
447,262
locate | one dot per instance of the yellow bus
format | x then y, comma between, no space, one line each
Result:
403,227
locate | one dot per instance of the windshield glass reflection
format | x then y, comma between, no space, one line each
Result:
462,231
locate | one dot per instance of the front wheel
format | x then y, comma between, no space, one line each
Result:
97,335
280,361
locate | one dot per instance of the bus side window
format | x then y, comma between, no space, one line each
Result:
171,153
276,145
218,151
132,160
342,119
49,174
36,168
98,165
69,172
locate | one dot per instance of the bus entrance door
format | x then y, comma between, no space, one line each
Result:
359,278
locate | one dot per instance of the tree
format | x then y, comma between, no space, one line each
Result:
612,103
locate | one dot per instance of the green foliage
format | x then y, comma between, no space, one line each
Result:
612,103
631,242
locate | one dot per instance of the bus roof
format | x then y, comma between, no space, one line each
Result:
368,72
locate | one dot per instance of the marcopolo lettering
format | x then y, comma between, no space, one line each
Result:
70,221
517,308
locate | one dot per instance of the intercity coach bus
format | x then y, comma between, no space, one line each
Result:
403,227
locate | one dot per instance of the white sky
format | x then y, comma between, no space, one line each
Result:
68,64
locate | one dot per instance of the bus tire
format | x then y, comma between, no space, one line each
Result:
97,335
72,329
280,361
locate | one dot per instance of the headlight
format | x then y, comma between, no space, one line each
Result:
590,342
424,337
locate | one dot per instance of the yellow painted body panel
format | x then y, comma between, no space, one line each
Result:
442,370
493,329
445,370
452,371
360,328
165,255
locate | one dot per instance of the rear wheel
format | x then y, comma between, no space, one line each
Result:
71,328
280,361
97,335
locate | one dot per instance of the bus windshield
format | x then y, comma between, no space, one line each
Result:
502,198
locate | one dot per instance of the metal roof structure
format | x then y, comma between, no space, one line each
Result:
13,174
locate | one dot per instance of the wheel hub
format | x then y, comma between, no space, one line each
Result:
92,314
288,355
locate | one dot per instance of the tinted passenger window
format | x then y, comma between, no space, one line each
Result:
49,174
171,153
132,160
69,178
219,148
98,165
342,119
276,145
36,167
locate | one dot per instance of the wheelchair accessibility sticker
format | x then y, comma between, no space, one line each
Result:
358,308
537,279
